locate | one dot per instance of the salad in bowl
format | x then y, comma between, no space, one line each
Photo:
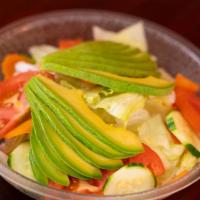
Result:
99,116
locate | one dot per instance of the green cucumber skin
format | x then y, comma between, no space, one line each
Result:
170,123
116,85
56,176
172,127
84,123
192,150
62,165
9,161
38,174
130,165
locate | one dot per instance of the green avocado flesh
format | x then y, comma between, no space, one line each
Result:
76,129
71,101
111,65
38,174
45,164
50,150
70,137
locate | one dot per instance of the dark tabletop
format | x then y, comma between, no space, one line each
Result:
182,16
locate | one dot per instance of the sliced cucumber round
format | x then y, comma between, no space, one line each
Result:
181,129
18,160
129,179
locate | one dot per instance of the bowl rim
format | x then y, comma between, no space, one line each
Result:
157,193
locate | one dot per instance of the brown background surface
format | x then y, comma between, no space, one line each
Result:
182,16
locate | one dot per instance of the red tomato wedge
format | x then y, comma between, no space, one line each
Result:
184,82
150,159
13,105
15,114
188,104
13,84
56,185
63,44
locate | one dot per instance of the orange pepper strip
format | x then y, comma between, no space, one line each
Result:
184,82
188,110
8,64
23,128
63,44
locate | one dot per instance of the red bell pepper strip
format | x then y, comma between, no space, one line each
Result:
187,103
184,82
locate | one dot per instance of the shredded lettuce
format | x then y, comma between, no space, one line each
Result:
133,35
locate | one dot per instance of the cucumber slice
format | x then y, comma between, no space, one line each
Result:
38,174
18,160
130,179
180,128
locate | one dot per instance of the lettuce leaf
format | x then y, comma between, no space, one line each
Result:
133,35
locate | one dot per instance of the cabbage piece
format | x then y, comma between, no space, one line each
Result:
123,105
133,35
160,104
39,51
137,118
188,161
154,133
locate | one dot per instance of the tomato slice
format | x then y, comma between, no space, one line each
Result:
11,86
150,159
13,105
12,113
63,44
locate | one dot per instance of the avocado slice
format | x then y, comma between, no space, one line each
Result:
76,163
71,100
105,56
38,174
138,69
49,118
109,64
146,86
45,164
49,149
76,129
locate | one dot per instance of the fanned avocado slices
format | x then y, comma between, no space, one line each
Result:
113,65
72,102
55,148
47,118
